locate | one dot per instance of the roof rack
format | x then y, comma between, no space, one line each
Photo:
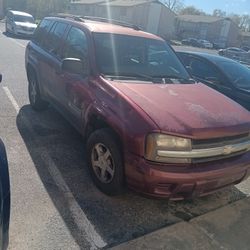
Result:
69,16
97,19
112,21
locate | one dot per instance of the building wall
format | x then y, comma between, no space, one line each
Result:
245,39
214,32
1,9
166,27
224,32
233,35
140,15
82,9
161,23
187,29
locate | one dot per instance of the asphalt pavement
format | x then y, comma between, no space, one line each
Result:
54,202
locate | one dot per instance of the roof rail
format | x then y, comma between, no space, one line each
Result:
69,16
112,21
97,19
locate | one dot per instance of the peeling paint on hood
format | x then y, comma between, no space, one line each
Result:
187,109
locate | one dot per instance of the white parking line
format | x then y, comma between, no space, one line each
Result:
78,215
11,98
80,218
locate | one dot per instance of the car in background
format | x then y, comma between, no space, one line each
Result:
4,197
235,54
223,74
246,48
191,42
19,23
205,44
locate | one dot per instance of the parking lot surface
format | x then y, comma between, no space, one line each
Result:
54,202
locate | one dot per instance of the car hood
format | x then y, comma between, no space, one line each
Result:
29,25
188,109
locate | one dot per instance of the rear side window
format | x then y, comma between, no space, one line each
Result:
53,41
42,31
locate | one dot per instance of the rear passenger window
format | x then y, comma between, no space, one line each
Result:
76,45
42,31
53,41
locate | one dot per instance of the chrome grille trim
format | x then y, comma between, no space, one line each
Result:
219,142
207,152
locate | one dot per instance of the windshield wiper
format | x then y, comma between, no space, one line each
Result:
174,77
126,76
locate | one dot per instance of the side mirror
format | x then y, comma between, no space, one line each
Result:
74,66
1,77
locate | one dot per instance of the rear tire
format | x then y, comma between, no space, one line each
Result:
105,162
6,29
36,101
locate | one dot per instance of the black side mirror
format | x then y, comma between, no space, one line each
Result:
74,66
1,77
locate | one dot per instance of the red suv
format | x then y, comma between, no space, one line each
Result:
147,124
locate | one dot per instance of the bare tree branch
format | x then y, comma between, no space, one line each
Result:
174,5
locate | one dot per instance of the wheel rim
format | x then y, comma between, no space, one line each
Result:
33,91
103,163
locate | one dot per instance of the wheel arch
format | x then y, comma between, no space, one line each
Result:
97,122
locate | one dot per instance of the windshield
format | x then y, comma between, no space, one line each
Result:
238,74
24,19
123,55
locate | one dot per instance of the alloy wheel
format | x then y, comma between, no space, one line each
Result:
103,163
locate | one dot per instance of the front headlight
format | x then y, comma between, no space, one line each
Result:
159,148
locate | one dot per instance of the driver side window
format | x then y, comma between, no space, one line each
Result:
76,45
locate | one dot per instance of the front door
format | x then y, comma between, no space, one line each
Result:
72,89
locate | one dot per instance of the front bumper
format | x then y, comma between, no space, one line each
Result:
23,32
178,182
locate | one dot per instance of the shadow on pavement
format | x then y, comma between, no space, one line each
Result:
116,219
19,37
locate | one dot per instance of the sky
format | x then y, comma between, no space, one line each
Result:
230,6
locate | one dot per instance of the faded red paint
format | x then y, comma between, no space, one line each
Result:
135,109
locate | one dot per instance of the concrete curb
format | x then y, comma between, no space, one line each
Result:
225,228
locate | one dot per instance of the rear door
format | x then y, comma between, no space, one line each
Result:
52,61
37,55
49,59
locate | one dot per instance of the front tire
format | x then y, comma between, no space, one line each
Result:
105,162
36,101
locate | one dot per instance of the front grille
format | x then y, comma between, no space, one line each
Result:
27,29
219,142
217,158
